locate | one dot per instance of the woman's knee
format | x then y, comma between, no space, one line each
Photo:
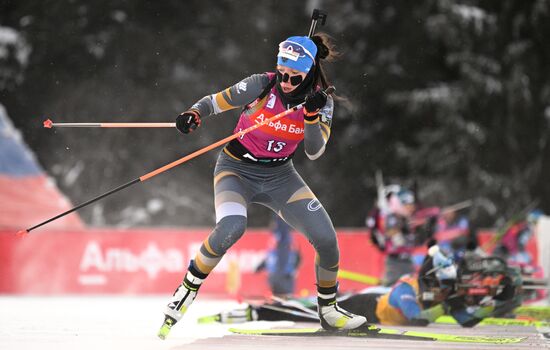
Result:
227,232
327,249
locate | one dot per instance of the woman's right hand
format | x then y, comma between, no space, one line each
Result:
188,121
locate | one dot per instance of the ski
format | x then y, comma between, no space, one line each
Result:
318,332
537,312
493,321
209,319
219,318
166,326
384,333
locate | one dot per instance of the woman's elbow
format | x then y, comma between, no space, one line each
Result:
316,155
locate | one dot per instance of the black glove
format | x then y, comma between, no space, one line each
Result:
314,102
188,121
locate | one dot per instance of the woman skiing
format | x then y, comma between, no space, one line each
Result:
257,168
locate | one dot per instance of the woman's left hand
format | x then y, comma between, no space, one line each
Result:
315,101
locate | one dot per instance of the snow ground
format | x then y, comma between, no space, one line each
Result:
100,322
131,323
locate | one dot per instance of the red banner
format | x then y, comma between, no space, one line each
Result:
154,261
151,261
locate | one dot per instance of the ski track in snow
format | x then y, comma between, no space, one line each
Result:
102,322
131,323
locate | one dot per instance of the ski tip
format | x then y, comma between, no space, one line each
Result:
209,319
165,328
48,123
22,234
163,331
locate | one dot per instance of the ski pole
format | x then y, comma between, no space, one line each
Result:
48,123
169,166
358,277
446,210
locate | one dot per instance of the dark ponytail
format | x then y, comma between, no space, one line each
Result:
325,52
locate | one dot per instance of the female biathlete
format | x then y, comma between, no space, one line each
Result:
257,168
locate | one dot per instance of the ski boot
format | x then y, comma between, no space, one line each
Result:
334,318
181,300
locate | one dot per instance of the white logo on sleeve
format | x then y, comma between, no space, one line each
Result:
241,87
